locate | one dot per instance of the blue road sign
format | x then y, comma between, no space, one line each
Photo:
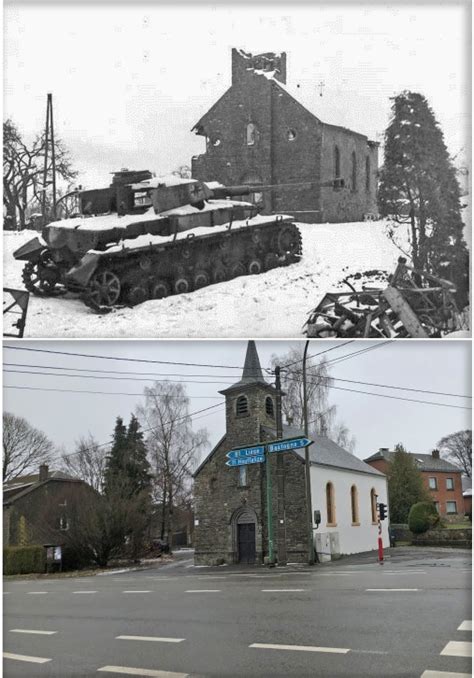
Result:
289,444
246,452
256,459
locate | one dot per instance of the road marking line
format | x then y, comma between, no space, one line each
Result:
151,639
465,626
300,648
282,590
25,658
335,574
390,590
457,648
401,574
444,674
6,593
153,673
136,591
37,593
84,591
203,591
39,633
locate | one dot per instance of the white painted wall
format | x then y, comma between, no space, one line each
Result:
352,539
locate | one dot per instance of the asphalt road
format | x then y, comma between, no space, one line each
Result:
409,617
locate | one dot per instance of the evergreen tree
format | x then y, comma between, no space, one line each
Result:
116,459
137,466
418,186
405,485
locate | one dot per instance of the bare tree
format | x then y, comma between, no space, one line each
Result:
88,462
23,167
24,447
321,415
457,447
173,446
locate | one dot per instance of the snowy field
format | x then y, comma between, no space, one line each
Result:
274,304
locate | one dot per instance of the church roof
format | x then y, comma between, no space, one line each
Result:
325,452
252,372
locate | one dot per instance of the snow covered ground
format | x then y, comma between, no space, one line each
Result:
273,304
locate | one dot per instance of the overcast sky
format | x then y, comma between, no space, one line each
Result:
442,366
130,80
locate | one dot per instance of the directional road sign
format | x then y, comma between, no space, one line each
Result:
289,444
246,452
255,459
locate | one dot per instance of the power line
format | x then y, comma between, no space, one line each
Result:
333,348
67,390
93,376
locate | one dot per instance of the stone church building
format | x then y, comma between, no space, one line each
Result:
230,502
258,133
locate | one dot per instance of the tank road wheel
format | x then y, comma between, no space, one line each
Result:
201,279
254,267
41,278
103,291
219,273
288,240
160,289
237,269
181,285
137,294
270,261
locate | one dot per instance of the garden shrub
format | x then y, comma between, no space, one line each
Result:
422,517
23,559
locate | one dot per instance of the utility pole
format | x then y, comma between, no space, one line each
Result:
49,141
280,471
309,508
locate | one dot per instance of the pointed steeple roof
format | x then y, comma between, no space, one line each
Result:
252,372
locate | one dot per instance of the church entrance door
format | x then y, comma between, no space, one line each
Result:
246,543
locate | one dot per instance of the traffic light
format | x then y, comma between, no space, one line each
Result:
382,511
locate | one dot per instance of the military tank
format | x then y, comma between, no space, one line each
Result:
146,238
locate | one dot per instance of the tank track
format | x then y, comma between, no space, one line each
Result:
132,276
42,277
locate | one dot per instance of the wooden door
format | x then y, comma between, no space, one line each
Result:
246,539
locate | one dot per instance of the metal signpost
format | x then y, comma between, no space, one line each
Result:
257,454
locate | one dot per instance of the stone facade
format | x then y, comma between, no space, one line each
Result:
258,133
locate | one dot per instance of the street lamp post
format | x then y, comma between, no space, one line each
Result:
309,510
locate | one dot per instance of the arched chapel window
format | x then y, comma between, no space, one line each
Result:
354,172
251,134
354,505
269,408
241,406
330,504
337,162
373,505
367,174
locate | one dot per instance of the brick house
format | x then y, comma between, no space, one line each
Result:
442,479
37,508
258,133
230,502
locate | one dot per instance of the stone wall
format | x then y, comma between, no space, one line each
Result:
461,538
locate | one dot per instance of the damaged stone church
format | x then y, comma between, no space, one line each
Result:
230,502
258,133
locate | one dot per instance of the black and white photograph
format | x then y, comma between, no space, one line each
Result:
219,221
208,171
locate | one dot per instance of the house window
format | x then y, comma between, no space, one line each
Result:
367,174
373,505
354,172
63,523
433,483
269,408
436,505
337,163
242,406
251,134
242,476
450,483
451,507
354,505
330,504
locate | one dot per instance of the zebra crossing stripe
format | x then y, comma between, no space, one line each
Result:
457,648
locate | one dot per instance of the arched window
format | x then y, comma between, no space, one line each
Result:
337,163
354,172
241,406
269,408
373,505
367,174
290,134
354,505
330,504
251,134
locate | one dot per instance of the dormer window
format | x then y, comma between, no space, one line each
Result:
242,406
251,134
269,407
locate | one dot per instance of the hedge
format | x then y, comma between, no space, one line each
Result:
422,517
23,559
